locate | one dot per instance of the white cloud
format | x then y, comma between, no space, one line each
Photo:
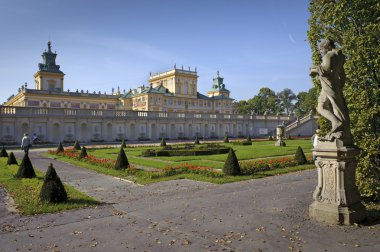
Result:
291,38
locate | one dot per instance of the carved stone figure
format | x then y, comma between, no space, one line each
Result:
331,102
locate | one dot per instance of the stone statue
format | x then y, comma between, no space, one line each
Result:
331,103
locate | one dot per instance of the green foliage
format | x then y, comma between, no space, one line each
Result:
163,142
3,152
249,140
231,166
76,145
286,98
226,140
354,25
122,161
52,190
196,141
26,169
60,148
83,152
300,157
123,145
306,102
12,159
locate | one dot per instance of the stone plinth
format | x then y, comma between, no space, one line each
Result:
336,197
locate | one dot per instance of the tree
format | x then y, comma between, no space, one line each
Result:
26,168
83,152
76,145
286,98
354,26
3,152
60,148
265,102
123,145
242,107
306,102
52,190
122,161
163,142
12,159
231,166
300,157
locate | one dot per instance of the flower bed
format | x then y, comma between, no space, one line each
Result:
186,169
72,154
253,166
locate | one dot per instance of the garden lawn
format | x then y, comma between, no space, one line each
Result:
259,149
25,193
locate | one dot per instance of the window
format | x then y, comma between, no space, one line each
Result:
185,88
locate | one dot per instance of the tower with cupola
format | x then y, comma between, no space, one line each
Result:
49,77
218,87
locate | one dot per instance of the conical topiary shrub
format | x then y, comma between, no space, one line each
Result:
122,161
60,148
226,140
3,152
12,159
249,140
163,142
76,145
196,141
26,168
52,190
231,166
83,152
300,157
123,145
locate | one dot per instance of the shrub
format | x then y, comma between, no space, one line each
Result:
163,142
60,148
300,157
186,169
196,141
183,152
226,140
231,166
249,140
122,161
26,169
52,190
270,138
76,145
83,153
3,152
12,159
123,145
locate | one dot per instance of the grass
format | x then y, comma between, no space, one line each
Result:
25,193
259,149
263,149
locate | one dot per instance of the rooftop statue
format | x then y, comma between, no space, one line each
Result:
331,102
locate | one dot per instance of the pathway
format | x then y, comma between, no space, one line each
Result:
269,214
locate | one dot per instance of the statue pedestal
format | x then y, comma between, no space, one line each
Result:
336,197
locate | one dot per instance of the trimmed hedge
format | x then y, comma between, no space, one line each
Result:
60,148
183,152
12,159
231,166
52,190
76,145
242,143
26,169
3,152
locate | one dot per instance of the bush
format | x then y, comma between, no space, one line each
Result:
226,140
26,169
249,140
3,152
12,159
196,141
122,161
163,142
76,145
60,148
231,166
300,157
242,143
123,145
52,190
183,152
83,152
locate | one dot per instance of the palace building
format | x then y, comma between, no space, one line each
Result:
175,90
168,106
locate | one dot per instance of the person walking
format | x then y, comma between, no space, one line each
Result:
26,143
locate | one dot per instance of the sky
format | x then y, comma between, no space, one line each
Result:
105,44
